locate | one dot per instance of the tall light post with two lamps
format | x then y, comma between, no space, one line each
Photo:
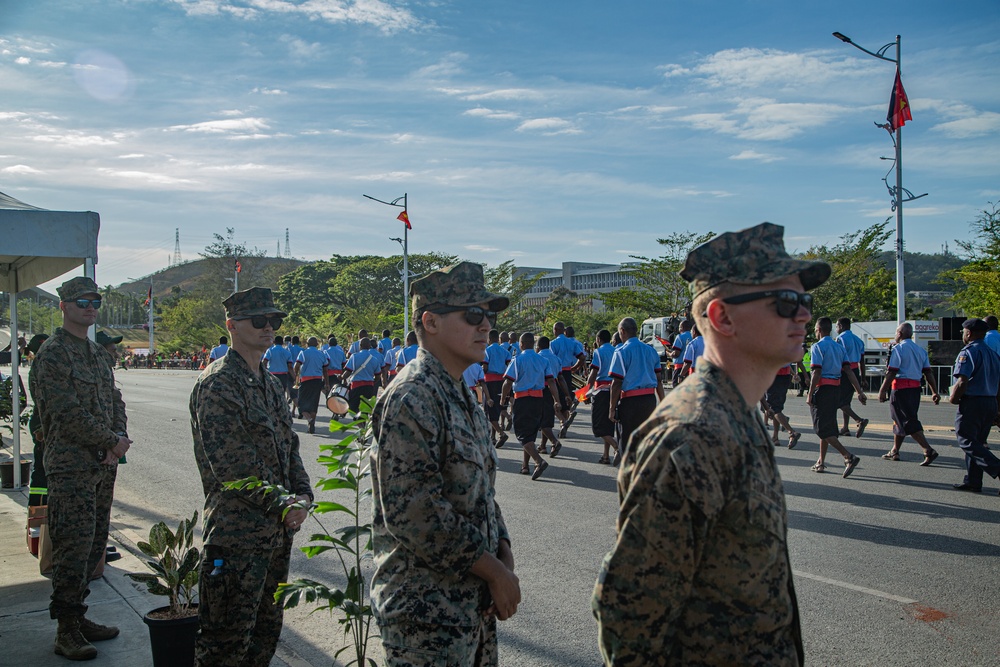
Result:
899,194
404,217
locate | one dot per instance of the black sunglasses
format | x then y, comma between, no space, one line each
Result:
261,321
787,301
473,314
83,303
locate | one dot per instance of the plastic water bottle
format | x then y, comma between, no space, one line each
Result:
217,570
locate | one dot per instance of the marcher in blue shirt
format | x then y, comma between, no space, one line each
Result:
677,349
526,377
636,385
550,413
854,353
278,360
363,368
571,357
600,381
385,344
901,387
310,367
976,392
408,353
694,351
355,347
828,363
389,360
337,360
219,350
293,350
494,364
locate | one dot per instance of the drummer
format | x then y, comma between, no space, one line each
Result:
337,359
363,368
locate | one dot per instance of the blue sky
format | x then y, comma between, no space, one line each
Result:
536,131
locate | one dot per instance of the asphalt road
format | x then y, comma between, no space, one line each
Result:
892,566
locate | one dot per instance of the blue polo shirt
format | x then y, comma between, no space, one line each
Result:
555,364
528,372
992,340
681,342
635,363
337,358
385,345
602,362
218,352
565,349
314,362
694,350
406,355
472,375
278,358
826,355
364,365
854,347
293,352
496,360
354,348
389,360
909,360
981,366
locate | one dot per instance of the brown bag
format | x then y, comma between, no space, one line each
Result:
45,547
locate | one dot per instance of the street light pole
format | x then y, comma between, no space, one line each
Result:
899,194
406,259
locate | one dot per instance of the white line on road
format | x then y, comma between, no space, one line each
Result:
854,587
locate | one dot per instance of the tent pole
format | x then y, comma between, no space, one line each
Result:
15,390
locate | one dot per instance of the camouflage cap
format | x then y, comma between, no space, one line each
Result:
74,288
250,302
102,338
456,285
753,256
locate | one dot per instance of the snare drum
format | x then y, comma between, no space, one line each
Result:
337,402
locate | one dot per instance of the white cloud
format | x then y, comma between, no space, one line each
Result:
23,60
481,248
20,169
982,124
448,66
506,94
387,176
301,49
548,126
269,91
146,178
74,140
235,126
482,112
754,155
378,13
766,68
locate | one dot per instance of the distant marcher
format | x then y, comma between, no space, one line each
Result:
83,427
278,361
992,339
600,381
444,569
363,368
527,377
700,573
901,387
976,392
310,369
774,403
219,350
854,355
636,385
241,428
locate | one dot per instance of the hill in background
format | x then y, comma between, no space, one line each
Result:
185,275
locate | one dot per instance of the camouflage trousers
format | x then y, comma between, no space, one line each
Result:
240,623
79,515
426,645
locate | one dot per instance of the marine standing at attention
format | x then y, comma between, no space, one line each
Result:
83,428
241,428
700,573
444,570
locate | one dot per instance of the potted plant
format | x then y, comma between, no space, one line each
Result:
174,563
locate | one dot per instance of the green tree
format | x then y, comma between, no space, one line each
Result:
222,255
860,285
977,284
659,290
500,279
192,320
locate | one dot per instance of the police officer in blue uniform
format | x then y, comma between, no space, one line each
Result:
976,392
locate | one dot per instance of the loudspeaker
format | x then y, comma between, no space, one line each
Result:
950,328
943,352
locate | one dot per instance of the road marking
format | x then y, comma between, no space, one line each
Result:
854,587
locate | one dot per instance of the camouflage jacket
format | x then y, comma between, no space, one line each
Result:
242,427
80,408
700,573
434,513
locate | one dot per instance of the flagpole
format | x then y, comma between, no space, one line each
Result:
236,274
151,318
404,217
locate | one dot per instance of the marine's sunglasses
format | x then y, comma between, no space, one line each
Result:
83,303
261,321
473,314
787,301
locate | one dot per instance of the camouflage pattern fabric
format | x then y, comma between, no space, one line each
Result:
250,302
238,619
700,573
753,256
241,428
434,511
424,645
73,389
77,288
79,516
456,285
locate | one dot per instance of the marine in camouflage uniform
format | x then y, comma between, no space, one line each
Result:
444,569
82,425
242,427
700,573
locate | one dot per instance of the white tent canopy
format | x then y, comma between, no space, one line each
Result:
39,245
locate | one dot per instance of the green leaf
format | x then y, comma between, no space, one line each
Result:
326,506
333,484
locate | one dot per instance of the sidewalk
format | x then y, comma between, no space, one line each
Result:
26,631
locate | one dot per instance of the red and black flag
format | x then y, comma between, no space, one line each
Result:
149,296
239,267
899,106
405,219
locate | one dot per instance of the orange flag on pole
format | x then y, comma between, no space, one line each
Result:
581,393
405,219
899,106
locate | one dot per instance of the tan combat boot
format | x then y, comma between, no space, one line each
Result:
71,643
95,632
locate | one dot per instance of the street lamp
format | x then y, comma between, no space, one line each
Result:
406,257
899,194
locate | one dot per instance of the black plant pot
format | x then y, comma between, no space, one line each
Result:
172,639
